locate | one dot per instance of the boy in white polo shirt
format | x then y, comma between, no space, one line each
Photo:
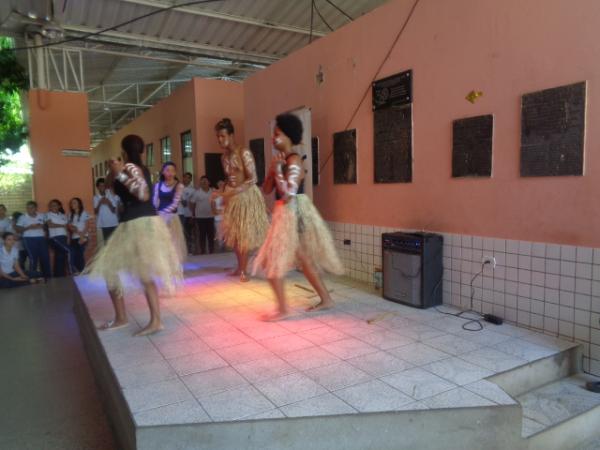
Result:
185,213
106,205
31,227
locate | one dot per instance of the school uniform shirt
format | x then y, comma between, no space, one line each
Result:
106,218
188,193
80,223
219,206
201,202
4,225
25,220
57,219
19,243
8,259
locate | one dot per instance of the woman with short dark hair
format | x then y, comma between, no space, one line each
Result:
298,234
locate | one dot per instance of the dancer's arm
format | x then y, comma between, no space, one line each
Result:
133,179
289,184
172,208
269,183
155,201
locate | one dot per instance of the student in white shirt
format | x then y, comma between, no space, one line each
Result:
11,273
78,226
5,221
204,215
219,209
106,205
31,227
185,213
56,221
19,244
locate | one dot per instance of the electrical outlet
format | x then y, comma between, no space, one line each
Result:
489,260
347,242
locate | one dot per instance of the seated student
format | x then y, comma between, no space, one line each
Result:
11,273
19,244
31,227
106,208
5,221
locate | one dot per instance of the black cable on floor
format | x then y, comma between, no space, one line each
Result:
478,321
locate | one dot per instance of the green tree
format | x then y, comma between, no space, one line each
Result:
13,80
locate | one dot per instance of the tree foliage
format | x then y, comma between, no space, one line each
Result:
13,80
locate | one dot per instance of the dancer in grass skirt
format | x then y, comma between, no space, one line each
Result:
245,221
141,245
298,235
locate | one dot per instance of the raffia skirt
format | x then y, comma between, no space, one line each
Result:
245,220
297,225
177,237
141,248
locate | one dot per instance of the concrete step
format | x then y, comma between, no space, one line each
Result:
543,371
561,415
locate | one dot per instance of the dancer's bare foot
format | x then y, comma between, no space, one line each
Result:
244,278
321,306
276,316
113,325
149,329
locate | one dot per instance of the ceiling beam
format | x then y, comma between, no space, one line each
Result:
167,60
229,17
142,41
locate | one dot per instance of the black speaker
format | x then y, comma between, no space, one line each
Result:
412,268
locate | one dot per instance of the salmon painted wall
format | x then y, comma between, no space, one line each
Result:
59,121
214,100
503,48
196,106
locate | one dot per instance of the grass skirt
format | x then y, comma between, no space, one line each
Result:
245,220
142,248
297,225
177,237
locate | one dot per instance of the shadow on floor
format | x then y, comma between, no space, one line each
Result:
49,396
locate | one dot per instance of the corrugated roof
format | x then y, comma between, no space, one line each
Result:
223,39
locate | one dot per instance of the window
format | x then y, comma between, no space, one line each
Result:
165,149
149,155
186,152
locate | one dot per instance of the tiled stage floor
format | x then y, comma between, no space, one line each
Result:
216,361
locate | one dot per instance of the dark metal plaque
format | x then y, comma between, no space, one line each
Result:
552,131
393,91
392,132
344,157
257,147
472,146
314,144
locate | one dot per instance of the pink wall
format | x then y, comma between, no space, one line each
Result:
214,100
504,49
196,106
59,121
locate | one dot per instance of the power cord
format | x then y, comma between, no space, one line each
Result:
471,324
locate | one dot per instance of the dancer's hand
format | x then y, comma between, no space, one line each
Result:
276,161
116,165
